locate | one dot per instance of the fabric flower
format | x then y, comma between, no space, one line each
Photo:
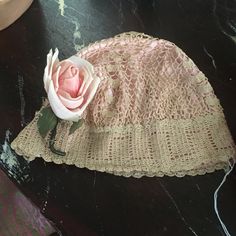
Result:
70,85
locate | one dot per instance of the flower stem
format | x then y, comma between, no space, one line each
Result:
52,142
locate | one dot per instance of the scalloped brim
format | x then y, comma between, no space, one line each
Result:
166,147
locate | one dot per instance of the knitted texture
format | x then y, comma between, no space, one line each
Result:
154,114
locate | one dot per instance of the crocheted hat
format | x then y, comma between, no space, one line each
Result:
154,114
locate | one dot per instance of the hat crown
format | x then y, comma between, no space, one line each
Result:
145,79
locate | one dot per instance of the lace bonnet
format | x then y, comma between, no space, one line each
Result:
154,114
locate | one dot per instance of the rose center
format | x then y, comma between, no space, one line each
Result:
73,71
70,82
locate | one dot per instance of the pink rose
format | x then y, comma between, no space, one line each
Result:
70,85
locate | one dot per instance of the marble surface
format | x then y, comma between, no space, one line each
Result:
89,203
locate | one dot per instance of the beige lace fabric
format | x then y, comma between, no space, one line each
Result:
154,114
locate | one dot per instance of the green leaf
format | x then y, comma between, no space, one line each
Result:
47,121
75,126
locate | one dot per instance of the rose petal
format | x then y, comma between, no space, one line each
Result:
89,95
71,71
58,108
88,72
71,85
46,70
65,67
88,77
52,61
71,103
81,63
55,78
64,94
